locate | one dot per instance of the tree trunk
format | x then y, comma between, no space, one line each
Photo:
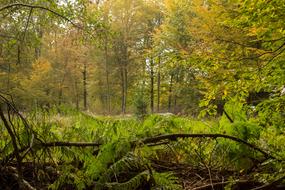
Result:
108,98
8,79
60,93
122,60
175,104
158,85
151,85
170,93
175,96
125,60
85,86
39,46
76,96
18,54
126,89
123,85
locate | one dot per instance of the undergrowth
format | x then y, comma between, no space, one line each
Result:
119,163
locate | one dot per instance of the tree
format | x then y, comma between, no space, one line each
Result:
240,48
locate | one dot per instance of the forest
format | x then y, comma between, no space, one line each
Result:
142,94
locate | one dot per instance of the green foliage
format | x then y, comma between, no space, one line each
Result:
109,153
134,183
70,175
140,104
187,55
167,181
241,127
271,112
117,164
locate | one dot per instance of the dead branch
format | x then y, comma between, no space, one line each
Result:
26,185
271,185
218,184
15,146
157,141
175,137
15,140
70,144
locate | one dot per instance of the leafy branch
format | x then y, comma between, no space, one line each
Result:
12,5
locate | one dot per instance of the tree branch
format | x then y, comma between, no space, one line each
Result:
218,184
174,137
158,139
38,7
151,141
27,24
270,185
15,146
70,144
228,116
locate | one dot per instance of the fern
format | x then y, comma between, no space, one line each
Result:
166,181
127,164
109,153
69,176
142,179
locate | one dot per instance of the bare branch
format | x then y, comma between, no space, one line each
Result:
174,137
39,7
15,146
26,185
70,144
159,139
8,36
270,185
218,184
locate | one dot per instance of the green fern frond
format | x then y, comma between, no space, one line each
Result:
140,180
166,181
127,164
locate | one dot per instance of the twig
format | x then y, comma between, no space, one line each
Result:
270,185
38,7
26,185
207,186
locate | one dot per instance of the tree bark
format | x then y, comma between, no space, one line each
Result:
124,74
38,48
8,79
158,85
170,93
76,96
85,86
124,88
108,98
175,95
151,85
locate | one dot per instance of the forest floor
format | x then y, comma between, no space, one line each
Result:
75,150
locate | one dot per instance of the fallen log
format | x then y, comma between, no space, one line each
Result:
175,137
152,141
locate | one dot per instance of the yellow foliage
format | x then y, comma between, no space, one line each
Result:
41,68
